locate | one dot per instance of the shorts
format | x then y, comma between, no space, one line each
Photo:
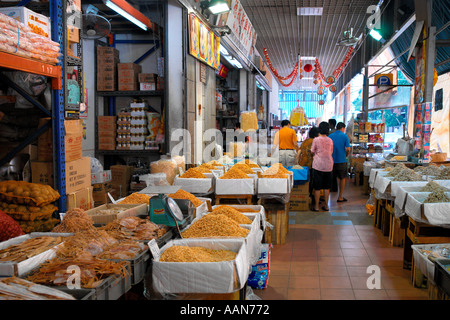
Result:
288,157
340,170
321,179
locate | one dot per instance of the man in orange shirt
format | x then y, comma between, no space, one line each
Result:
286,142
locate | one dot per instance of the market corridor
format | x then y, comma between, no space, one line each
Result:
326,256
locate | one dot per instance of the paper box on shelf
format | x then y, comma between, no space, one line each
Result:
106,143
82,199
38,23
73,139
147,77
73,34
107,125
42,172
116,211
78,174
202,277
129,66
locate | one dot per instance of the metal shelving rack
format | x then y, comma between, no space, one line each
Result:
57,9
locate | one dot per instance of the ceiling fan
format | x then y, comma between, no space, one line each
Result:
94,26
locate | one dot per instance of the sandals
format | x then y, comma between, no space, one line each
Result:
325,209
343,200
313,209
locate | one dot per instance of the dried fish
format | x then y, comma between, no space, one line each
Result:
399,167
437,196
432,186
195,254
407,175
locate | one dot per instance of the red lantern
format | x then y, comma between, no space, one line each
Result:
330,79
308,68
320,92
321,102
333,88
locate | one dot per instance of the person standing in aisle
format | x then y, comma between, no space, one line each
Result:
332,123
286,141
322,165
341,149
306,157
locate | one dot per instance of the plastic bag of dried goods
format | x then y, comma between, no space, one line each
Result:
167,166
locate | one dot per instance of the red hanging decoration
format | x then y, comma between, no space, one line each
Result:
274,70
308,68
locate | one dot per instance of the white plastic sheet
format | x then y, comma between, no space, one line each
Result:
193,185
432,213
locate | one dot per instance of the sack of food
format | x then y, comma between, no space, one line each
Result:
26,193
167,166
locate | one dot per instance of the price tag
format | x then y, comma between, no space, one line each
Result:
154,249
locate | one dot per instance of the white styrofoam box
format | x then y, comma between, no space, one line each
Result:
235,186
421,261
31,19
101,177
261,212
273,186
203,277
431,213
193,185
373,175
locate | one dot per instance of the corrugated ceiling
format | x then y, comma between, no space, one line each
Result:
287,35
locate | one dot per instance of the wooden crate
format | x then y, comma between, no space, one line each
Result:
278,216
436,293
234,199
397,231
421,233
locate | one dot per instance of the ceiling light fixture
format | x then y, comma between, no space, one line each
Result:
214,6
309,11
129,12
375,34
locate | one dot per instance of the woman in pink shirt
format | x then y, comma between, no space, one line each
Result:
322,166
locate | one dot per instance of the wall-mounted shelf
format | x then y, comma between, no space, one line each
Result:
130,93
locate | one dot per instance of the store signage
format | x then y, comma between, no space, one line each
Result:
384,79
222,71
204,45
241,26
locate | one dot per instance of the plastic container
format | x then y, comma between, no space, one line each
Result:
442,275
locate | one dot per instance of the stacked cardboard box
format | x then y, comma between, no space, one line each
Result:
107,61
77,167
128,76
147,81
120,180
299,199
106,130
159,83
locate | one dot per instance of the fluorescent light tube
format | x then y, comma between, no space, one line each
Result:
217,7
125,14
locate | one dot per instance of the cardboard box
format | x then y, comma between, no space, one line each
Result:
130,210
128,86
82,199
106,124
107,60
107,51
73,139
45,143
106,143
147,86
121,174
99,194
129,66
299,202
147,77
301,188
160,83
38,23
78,174
42,172
73,34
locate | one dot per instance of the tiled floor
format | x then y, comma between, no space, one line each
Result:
327,256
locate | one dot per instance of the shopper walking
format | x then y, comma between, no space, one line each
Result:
286,142
306,157
322,165
341,149
332,123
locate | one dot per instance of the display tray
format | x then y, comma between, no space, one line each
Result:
373,174
130,210
261,211
79,294
442,275
202,277
138,266
11,268
119,285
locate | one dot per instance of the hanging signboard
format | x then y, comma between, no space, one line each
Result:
384,79
204,45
